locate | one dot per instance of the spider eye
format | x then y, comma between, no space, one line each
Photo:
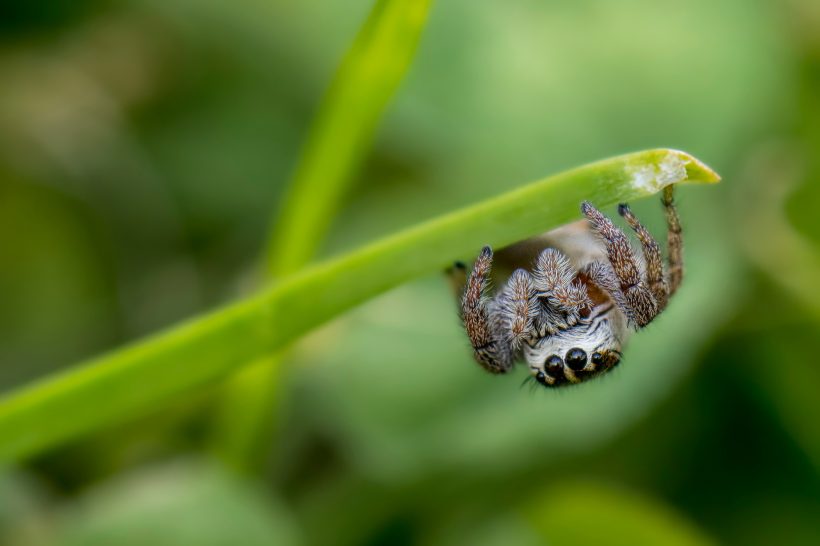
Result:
554,366
576,359
541,378
597,358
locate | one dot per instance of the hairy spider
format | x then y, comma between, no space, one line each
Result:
570,316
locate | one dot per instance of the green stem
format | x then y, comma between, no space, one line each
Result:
151,373
343,133
340,138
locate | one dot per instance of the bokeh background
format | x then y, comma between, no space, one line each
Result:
144,147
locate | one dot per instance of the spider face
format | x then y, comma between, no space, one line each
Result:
569,314
580,352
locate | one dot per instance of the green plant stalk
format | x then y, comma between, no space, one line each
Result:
340,138
343,132
151,373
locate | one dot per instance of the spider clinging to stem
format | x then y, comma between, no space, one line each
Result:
571,315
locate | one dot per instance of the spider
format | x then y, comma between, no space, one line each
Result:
571,315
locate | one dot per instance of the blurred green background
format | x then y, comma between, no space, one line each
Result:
145,145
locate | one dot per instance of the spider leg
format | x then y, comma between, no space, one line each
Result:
637,302
553,282
652,257
490,348
601,275
674,241
517,308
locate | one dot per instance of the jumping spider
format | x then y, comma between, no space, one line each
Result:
571,315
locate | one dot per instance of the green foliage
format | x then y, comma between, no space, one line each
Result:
143,144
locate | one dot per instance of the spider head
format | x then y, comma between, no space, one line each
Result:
582,351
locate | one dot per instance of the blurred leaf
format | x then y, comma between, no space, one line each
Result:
588,513
780,233
343,131
789,258
340,138
176,504
138,378
791,261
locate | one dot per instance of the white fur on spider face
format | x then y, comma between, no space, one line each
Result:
605,330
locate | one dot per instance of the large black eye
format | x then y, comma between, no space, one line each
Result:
576,359
554,366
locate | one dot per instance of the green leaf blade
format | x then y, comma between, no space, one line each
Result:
339,140
344,129
151,373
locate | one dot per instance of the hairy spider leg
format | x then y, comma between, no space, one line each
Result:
652,257
517,307
637,300
674,240
564,299
490,349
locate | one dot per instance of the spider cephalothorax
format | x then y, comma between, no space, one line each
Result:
570,316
